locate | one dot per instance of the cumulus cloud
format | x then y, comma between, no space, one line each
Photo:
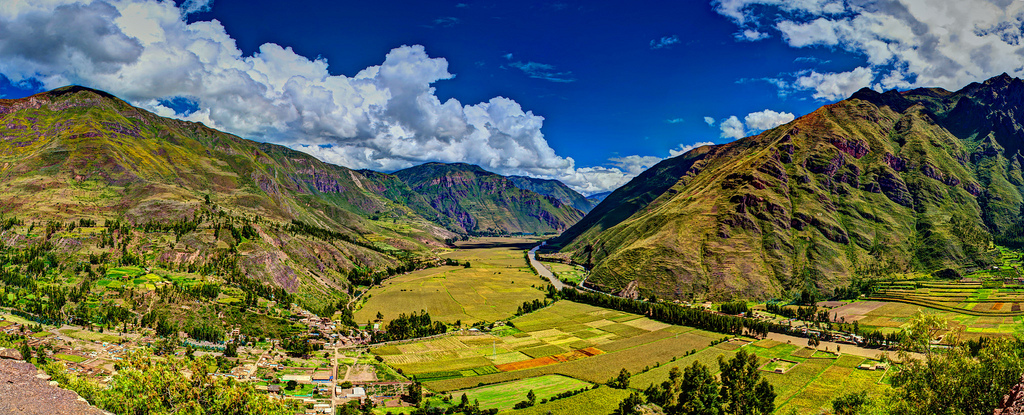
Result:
905,43
767,119
833,86
753,123
665,42
386,117
732,127
710,121
751,35
675,120
685,148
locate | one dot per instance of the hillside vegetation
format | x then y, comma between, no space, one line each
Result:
872,185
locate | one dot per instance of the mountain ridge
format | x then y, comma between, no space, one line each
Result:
879,183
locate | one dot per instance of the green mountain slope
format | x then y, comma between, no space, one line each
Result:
873,185
76,153
555,189
481,202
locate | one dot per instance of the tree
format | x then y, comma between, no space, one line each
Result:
850,403
743,390
621,381
629,405
966,378
291,385
231,350
531,397
415,394
379,316
26,351
699,392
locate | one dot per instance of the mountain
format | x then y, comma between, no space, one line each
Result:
481,202
555,189
598,197
76,153
877,184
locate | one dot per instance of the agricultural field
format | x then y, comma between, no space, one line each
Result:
497,282
505,395
889,316
571,339
810,378
569,274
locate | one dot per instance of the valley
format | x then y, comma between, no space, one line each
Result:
778,263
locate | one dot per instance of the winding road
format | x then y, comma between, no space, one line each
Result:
542,270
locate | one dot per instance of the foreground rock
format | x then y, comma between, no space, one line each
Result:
25,392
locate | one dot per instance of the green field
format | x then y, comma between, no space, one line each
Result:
602,400
505,395
70,358
570,274
91,336
495,285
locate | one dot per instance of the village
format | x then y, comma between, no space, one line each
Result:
336,373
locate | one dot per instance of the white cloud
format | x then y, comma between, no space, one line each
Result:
685,148
675,120
751,35
834,86
767,119
635,164
710,121
755,122
664,42
732,127
929,43
385,117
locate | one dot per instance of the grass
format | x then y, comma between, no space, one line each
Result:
505,395
91,336
70,358
602,400
496,284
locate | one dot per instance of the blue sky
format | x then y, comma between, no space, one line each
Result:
589,93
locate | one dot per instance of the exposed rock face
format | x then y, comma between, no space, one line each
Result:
24,392
1013,402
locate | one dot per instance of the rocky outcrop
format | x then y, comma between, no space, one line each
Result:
1013,402
25,391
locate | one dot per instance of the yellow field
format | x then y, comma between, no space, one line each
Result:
495,285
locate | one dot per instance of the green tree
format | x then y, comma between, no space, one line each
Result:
630,405
415,394
698,392
967,378
743,390
850,403
621,381
531,397
291,385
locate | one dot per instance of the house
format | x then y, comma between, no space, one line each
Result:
275,389
357,393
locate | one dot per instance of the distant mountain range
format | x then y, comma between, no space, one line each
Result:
876,184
